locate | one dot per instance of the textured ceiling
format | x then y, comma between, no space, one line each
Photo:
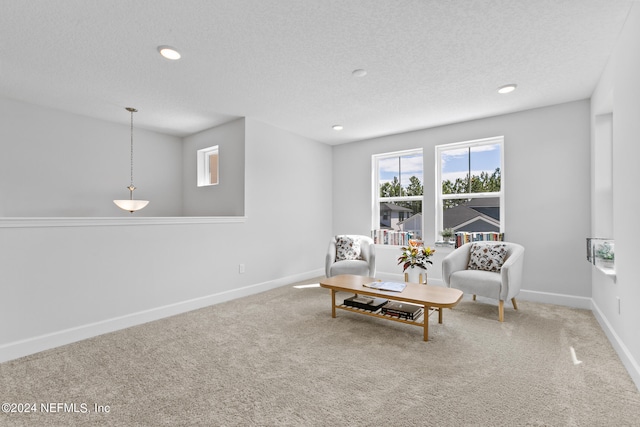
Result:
289,63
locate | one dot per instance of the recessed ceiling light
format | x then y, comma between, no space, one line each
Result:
337,127
507,88
359,73
169,52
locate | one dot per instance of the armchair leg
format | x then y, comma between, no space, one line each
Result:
513,301
474,297
501,311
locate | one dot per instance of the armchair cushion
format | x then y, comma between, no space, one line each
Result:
358,267
477,282
487,257
361,262
347,248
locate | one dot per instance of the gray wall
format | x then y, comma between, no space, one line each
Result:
226,198
288,202
547,198
56,164
615,205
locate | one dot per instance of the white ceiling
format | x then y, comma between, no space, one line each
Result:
289,63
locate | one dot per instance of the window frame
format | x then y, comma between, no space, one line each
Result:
376,199
203,166
438,179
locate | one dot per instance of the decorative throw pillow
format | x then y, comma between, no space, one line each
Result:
488,257
347,248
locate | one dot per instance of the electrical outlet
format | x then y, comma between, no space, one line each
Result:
241,268
618,299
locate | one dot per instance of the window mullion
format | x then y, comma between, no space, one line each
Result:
470,195
400,199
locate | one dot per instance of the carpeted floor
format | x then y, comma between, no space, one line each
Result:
278,358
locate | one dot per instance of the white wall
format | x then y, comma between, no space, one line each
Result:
56,164
547,194
288,202
227,197
602,175
64,283
618,92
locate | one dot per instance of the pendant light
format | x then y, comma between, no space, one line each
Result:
131,205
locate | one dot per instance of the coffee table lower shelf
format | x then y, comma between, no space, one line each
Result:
422,320
417,322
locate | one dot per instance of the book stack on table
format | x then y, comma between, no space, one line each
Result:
402,310
365,302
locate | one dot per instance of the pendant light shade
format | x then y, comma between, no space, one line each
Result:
130,204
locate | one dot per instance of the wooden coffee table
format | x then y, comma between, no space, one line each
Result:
430,297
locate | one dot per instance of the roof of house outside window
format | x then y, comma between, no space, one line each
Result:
393,207
486,210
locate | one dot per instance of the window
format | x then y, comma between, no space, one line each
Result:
397,196
208,166
470,187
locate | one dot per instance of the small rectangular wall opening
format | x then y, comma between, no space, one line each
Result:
208,166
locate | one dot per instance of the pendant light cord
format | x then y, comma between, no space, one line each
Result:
131,110
132,148
131,205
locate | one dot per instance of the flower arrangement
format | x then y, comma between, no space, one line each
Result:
415,255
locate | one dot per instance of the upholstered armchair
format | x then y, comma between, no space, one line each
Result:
351,254
488,269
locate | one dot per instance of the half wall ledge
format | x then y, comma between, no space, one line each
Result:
107,222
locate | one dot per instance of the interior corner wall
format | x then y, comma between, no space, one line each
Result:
58,164
618,94
227,197
288,201
64,283
547,197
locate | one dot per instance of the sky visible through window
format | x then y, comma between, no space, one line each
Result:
408,166
455,162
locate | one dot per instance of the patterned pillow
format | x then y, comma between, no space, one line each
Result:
347,248
488,257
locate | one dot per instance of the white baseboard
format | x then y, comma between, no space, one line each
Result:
535,296
14,350
627,359
557,299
